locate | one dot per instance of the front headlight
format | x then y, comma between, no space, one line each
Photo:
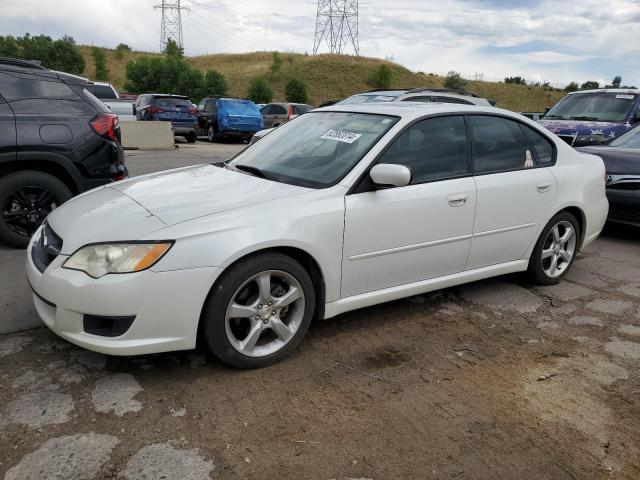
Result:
100,260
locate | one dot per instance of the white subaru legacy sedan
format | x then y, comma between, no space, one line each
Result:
341,208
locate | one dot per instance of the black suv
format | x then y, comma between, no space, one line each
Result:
56,141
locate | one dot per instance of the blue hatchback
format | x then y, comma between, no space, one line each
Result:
176,109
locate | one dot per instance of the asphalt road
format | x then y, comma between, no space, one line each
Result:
494,380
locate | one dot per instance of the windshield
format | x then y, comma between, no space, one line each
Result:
597,107
630,139
316,149
358,99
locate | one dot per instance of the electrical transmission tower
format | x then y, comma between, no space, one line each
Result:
171,26
337,25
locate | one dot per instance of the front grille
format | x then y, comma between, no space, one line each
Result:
569,139
46,249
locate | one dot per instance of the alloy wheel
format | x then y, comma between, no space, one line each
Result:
265,313
558,249
25,209
210,134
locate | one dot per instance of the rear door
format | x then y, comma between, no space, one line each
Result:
279,115
267,118
7,131
516,190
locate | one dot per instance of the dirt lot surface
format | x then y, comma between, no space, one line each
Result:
493,380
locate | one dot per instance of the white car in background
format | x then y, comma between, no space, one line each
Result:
341,208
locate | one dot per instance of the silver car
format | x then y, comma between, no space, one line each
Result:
426,95
275,114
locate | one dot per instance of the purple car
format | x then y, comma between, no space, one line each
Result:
594,117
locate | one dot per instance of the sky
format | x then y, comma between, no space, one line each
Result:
541,40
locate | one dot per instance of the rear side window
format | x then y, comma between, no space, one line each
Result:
542,147
422,99
499,144
433,149
300,109
20,86
51,107
452,100
277,110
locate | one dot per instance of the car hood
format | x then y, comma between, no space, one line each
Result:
578,127
131,209
617,160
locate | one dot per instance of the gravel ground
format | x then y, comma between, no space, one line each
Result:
496,380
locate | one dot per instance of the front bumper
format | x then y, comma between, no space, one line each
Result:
624,206
166,305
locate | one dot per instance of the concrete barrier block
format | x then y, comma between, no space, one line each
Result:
146,135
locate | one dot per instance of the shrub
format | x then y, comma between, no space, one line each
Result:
276,63
515,80
295,91
100,61
381,77
589,85
61,54
454,81
259,91
571,87
121,49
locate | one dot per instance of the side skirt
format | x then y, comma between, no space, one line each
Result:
401,291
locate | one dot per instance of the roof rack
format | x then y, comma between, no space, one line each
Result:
16,62
386,90
444,90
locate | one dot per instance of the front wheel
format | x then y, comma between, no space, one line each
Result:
26,198
191,137
555,250
211,134
259,311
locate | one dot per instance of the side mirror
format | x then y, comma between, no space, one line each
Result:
388,174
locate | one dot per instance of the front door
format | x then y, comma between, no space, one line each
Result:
516,189
396,236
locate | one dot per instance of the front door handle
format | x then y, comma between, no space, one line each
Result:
457,200
543,187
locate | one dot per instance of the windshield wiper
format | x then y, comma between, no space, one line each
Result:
255,171
552,116
584,118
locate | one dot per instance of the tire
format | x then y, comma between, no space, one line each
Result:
191,137
26,198
552,247
211,134
224,334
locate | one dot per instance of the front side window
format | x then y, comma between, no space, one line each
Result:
433,149
278,110
594,106
499,144
316,149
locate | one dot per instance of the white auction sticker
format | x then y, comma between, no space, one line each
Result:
625,96
341,136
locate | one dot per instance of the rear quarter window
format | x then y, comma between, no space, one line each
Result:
543,149
18,86
300,109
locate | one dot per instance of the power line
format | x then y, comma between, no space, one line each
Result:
337,26
171,23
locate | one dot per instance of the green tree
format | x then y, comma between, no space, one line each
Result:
617,81
173,50
121,49
295,91
454,81
215,83
590,85
381,77
572,87
259,91
100,62
9,47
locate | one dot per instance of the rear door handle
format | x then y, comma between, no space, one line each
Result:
543,187
457,200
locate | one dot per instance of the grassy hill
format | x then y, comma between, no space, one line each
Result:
329,76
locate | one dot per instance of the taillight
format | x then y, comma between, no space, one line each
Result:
291,115
192,111
106,125
153,110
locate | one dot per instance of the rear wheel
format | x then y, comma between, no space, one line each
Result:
26,198
259,311
555,250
